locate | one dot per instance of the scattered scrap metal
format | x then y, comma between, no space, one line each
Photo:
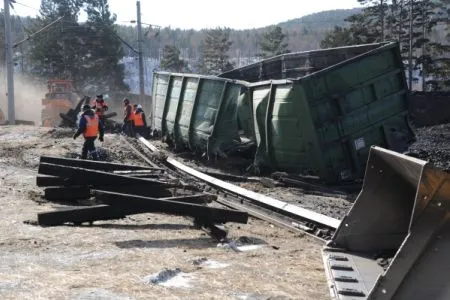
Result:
69,119
113,191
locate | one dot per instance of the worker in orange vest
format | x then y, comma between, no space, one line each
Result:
128,116
90,126
100,107
140,124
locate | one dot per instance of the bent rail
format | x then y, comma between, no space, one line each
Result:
271,203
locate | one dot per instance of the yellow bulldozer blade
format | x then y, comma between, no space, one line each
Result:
395,241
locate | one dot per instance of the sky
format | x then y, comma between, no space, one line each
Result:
198,14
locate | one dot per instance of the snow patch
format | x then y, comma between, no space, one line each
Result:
241,248
209,264
170,278
212,264
249,247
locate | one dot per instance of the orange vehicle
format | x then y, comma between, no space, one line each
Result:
59,99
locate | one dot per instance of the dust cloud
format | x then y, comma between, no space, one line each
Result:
27,97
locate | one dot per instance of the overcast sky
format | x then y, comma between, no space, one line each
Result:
197,14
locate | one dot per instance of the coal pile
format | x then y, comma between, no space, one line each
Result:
433,144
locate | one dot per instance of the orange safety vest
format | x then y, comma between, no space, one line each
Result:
91,129
100,108
131,116
138,120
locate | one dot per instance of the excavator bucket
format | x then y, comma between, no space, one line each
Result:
395,241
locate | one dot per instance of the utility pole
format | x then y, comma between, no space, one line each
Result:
410,71
9,64
141,58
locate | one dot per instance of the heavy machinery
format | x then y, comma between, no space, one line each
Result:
59,99
395,241
72,116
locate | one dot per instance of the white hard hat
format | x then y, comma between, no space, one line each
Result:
139,106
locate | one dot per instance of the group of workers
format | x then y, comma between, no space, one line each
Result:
92,119
134,121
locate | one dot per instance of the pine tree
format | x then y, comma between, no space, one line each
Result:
376,16
439,52
272,43
171,60
357,33
58,50
215,59
389,20
103,68
88,54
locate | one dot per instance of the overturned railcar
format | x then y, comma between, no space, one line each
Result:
196,112
299,64
323,123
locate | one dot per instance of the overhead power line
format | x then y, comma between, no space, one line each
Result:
36,9
37,32
24,28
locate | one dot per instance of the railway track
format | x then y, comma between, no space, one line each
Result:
257,205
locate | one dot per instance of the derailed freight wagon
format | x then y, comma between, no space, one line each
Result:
196,112
298,64
323,123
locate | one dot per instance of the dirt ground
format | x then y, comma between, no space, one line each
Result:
117,259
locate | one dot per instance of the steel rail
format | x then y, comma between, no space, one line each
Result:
308,221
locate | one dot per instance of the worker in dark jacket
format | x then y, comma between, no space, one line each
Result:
140,124
90,126
128,115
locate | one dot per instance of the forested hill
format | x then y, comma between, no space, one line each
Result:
303,33
321,20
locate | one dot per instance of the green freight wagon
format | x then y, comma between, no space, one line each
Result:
196,112
294,65
324,123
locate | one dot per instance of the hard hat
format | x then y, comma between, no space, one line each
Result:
139,106
86,107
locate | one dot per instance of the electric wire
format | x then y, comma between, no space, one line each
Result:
26,6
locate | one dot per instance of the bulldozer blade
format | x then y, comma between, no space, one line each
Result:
69,119
395,241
